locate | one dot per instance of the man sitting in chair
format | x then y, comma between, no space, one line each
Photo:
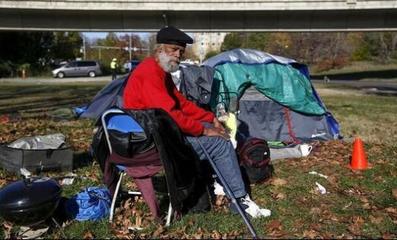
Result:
151,86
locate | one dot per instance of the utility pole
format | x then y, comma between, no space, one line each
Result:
84,52
129,46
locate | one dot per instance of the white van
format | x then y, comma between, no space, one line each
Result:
78,68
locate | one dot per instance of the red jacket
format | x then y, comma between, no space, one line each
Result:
150,87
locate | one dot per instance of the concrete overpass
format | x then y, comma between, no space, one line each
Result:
199,15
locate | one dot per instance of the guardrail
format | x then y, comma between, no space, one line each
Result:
198,5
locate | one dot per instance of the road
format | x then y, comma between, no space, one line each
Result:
51,80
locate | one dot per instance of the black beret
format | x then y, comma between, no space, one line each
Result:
171,35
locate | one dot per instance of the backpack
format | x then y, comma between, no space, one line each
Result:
254,158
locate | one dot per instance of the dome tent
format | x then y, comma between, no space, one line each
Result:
276,99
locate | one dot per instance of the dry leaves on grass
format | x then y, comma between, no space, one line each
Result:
278,196
275,229
221,204
376,220
392,211
310,234
129,216
278,182
88,235
7,228
355,227
394,193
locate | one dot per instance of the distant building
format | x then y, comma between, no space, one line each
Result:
205,42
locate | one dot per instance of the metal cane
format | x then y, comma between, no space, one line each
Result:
229,192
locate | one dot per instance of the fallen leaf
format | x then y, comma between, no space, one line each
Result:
394,192
88,235
274,225
391,210
160,230
355,227
388,236
375,220
7,227
275,229
309,234
279,182
278,196
191,222
215,234
315,211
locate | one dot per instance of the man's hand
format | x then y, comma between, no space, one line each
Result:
218,124
216,132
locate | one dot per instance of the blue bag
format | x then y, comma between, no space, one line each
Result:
91,204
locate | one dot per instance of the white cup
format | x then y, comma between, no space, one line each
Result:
305,149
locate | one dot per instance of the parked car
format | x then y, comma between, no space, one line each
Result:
78,68
130,65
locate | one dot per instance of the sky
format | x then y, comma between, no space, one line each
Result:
143,35
93,35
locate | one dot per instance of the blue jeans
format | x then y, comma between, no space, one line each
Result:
223,155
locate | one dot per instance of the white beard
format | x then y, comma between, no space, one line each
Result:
167,64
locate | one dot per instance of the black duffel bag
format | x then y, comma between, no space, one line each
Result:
254,158
128,144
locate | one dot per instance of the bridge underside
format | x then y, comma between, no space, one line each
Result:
147,21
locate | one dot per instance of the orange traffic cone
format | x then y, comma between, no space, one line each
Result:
359,158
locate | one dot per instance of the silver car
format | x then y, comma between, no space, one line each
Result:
78,68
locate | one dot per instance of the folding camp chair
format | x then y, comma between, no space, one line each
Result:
117,120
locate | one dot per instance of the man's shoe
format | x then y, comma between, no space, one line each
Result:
250,207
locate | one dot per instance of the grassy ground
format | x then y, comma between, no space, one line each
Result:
357,205
360,67
361,71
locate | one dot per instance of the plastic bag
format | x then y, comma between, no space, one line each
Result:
90,204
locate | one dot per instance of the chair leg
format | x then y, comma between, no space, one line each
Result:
169,214
116,192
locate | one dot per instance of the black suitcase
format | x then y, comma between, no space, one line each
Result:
36,160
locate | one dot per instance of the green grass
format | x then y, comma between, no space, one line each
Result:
355,67
358,205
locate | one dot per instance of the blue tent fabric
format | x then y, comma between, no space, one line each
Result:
91,204
110,96
246,56
79,110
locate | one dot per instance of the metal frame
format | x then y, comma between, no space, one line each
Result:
121,171
229,192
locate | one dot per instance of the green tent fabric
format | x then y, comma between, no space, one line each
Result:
282,83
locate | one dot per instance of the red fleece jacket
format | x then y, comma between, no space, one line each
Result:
150,87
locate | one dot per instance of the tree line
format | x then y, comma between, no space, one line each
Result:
321,50
38,52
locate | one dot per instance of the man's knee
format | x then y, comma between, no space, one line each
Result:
222,145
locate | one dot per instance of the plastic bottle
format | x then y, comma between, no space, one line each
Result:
221,113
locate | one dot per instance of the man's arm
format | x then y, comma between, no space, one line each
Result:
158,96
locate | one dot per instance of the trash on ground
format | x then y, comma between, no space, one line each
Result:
218,189
67,181
320,188
135,228
31,233
318,174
